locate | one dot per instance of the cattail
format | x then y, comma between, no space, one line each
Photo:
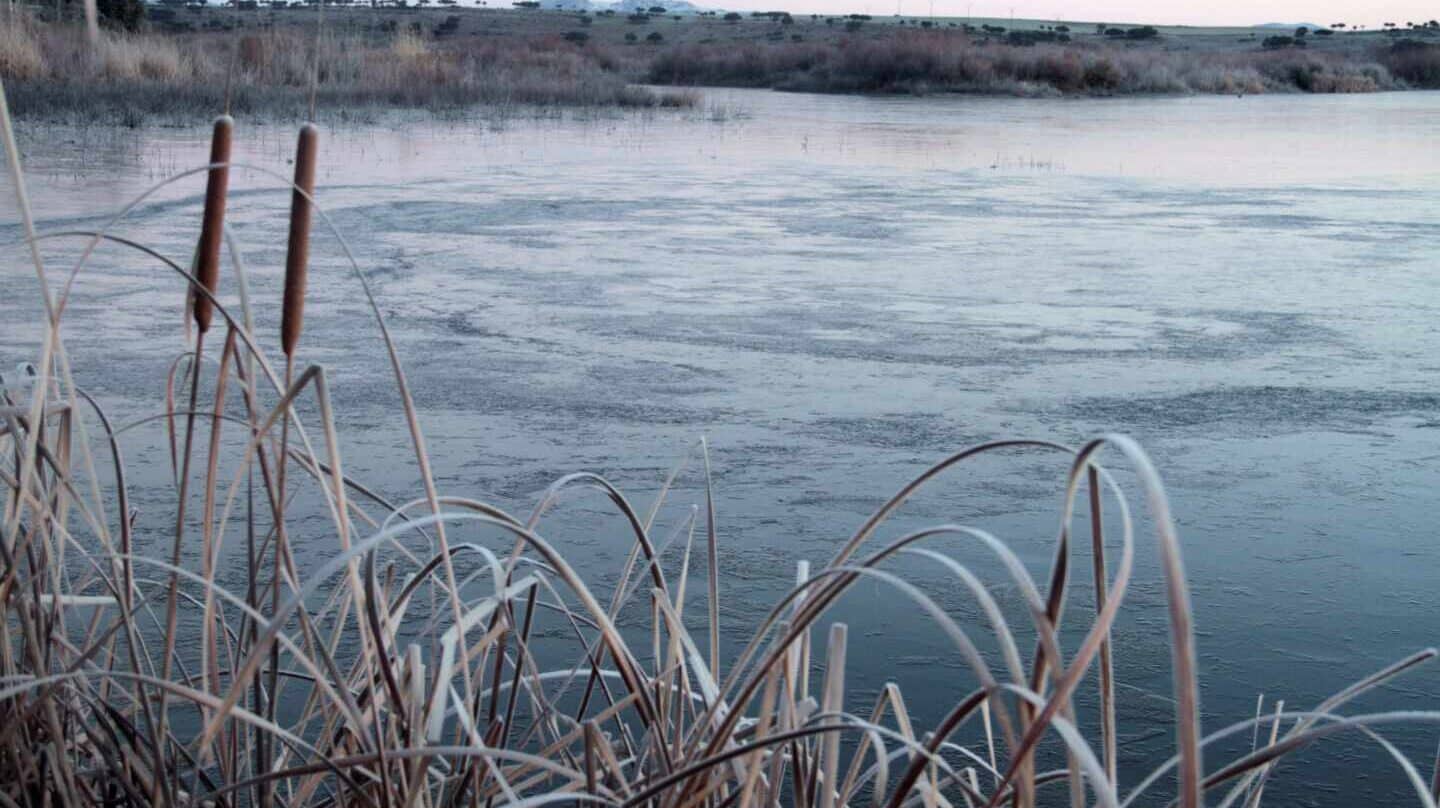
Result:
212,227
297,256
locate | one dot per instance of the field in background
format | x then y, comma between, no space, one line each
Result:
184,61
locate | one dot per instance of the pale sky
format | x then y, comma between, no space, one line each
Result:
1171,12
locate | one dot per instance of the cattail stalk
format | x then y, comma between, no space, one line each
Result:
292,321
212,227
297,255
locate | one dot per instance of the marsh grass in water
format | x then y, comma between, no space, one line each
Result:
447,653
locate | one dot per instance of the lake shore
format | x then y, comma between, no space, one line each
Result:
183,63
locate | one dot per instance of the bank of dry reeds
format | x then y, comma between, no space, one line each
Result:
54,71
939,61
443,652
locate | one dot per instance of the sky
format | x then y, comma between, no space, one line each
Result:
1168,12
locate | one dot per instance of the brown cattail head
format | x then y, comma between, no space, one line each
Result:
212,227
297,256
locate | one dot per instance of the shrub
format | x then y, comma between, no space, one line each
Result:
1415,62
733,17
1102,74
577,37
655,38
1026,38
126,15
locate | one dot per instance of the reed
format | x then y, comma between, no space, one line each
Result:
941,62
54,73
407,668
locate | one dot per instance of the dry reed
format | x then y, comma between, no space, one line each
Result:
936,62
412,669
53,72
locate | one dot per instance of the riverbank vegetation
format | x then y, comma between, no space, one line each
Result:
922,62
55,71
180,60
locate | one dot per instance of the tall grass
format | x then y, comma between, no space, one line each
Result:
416,666
924,62
53,71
